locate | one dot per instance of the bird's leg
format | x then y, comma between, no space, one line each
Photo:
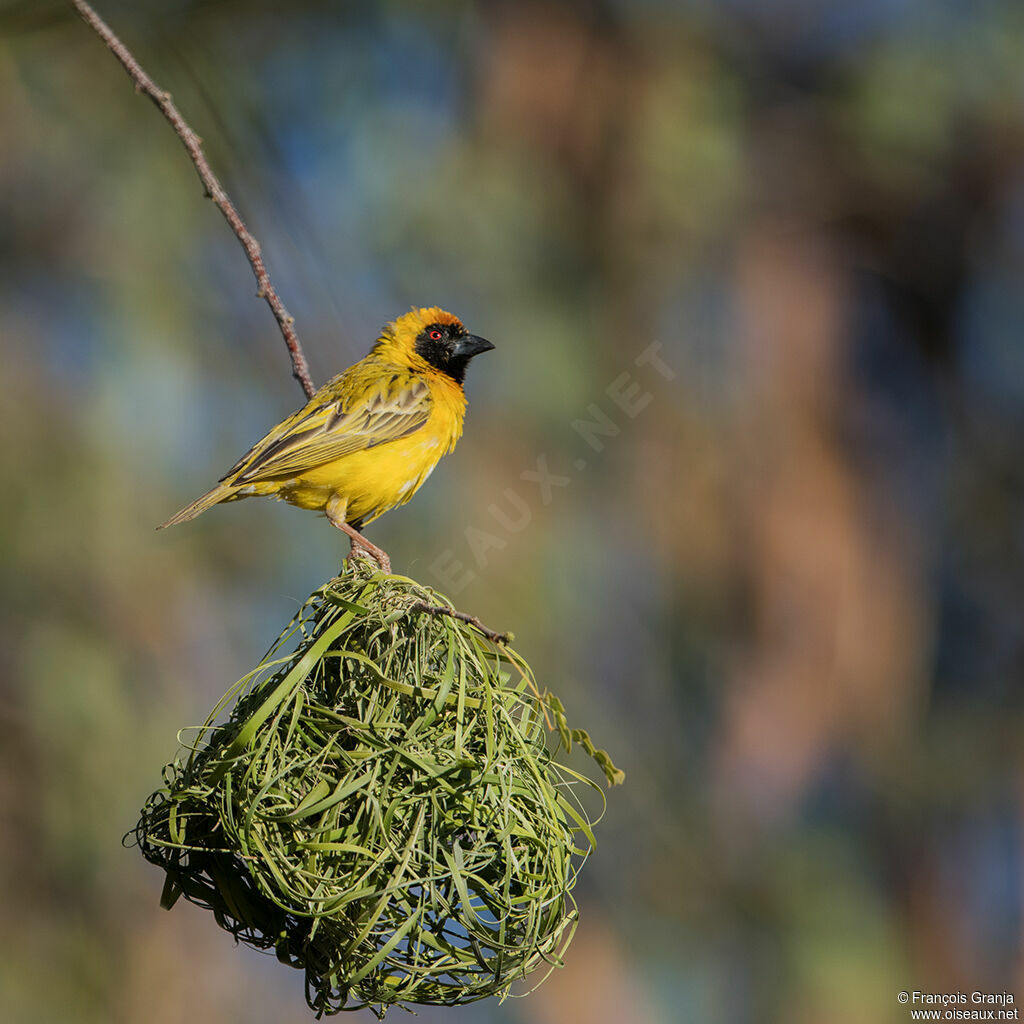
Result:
359,543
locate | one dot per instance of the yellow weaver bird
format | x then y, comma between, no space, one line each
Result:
370,437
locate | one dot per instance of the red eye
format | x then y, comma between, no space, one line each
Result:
435,335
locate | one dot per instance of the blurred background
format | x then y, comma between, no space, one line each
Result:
745,473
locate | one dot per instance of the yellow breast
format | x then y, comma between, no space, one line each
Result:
380,478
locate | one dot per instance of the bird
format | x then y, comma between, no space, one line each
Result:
368,439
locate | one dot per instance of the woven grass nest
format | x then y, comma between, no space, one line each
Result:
382,807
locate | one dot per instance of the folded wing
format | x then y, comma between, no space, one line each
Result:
354,415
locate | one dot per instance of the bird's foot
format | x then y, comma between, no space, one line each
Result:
364,549
360,545
335,513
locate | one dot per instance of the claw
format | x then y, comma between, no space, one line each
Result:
360,545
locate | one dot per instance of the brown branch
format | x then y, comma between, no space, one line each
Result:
439,609
192,142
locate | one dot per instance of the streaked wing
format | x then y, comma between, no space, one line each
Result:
389,407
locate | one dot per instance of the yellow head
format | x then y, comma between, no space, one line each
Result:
433,337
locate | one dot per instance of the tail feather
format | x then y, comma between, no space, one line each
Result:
222,492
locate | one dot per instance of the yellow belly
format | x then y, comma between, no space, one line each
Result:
371,482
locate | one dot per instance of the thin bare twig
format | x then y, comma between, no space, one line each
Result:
439,609
192,142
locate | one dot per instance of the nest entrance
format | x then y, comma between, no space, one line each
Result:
381,808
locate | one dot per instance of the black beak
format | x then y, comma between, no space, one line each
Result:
470,346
